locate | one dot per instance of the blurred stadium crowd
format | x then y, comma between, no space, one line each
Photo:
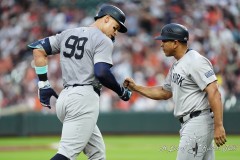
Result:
214,27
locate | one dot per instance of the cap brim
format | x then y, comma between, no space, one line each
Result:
123,28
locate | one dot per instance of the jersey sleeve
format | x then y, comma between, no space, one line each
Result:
103,51
42,44
167,82
55,42
51,45
202,72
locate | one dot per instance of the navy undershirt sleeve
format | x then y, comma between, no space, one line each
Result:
104,75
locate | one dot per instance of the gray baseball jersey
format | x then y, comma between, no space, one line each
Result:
78,107
80,49
187,78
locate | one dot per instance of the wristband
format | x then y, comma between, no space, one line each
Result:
43,84
41,70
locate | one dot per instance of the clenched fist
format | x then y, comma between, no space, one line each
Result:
129,83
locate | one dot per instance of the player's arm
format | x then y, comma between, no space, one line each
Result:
155,92
41,49
40,60
104,75
214,98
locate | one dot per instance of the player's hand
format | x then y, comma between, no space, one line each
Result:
219,136
129,83
45,92
126,94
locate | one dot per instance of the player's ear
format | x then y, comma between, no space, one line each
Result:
106,18
175,43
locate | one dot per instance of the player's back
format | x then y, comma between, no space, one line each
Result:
78,49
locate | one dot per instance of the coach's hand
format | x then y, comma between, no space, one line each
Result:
130,84
126,94
219,135
45,92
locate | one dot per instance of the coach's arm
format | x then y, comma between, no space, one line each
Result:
214,98
155,92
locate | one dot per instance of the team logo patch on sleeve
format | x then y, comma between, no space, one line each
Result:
209,73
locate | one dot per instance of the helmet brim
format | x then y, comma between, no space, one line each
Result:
123,28
163,38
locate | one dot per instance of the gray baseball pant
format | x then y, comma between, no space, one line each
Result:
196,138
78,109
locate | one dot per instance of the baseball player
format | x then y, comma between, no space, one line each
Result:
86,59
192,84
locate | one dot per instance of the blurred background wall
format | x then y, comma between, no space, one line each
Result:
214,27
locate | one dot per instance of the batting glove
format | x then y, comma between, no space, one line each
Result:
45,92
126,94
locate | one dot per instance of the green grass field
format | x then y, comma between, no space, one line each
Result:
149,147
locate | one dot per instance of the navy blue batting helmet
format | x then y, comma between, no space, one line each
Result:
115,13
174,31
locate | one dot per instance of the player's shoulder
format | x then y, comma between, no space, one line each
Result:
195,55
71,31
60,35
195,58
92,33
99,35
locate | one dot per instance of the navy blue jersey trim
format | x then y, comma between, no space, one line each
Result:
42,44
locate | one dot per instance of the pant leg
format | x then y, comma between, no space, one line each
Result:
95,148
79,112
210,154
196,137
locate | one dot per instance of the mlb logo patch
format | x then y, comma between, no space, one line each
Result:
209,73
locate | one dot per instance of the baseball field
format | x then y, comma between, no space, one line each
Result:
134,147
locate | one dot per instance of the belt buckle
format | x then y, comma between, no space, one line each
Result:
186,117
